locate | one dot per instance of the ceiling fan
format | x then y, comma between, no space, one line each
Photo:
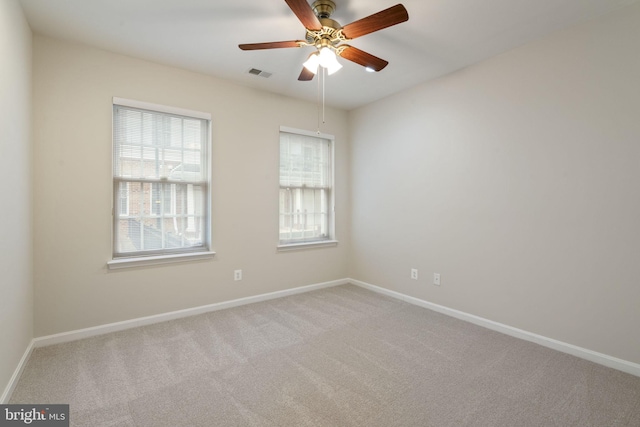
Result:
327,36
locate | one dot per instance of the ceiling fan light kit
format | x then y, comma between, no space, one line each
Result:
326,58
328,36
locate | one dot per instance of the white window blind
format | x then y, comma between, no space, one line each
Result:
306,184
160,180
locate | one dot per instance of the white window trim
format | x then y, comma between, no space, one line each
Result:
161,108
142,261
306,245
333,241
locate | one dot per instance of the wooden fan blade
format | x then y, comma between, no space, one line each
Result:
305,14
383,19
271,45
306,75
363,58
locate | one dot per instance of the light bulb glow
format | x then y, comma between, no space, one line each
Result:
312,63
328,60
325,58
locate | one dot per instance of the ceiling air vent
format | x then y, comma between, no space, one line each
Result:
260,73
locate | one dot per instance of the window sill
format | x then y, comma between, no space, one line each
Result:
307,245
120,263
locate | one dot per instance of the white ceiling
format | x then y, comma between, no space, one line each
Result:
203,35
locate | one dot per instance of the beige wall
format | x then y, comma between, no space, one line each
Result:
73,87
16,284
516,180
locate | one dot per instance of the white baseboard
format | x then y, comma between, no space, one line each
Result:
6,395
583,353
142,321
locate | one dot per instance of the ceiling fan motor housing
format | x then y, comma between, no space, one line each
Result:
329,35
323,8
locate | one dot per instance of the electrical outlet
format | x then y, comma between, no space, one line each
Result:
436,279
237,274
414,273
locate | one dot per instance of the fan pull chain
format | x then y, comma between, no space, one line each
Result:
324,78
318,104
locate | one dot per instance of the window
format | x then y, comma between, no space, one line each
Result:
160,180
124,199
306,188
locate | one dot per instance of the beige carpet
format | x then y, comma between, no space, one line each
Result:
341,356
